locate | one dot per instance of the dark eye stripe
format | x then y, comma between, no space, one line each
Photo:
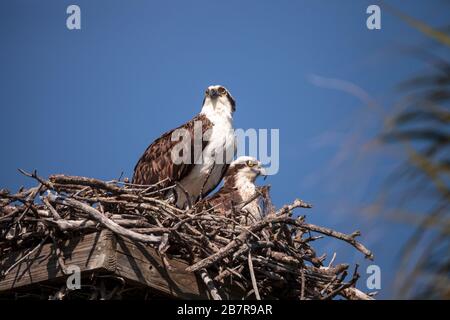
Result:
222,90
232,102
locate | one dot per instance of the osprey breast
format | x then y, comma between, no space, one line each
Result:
216,157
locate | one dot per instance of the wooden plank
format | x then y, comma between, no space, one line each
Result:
143,264
103,251
89,252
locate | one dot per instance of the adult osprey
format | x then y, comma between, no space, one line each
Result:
239,191
196,155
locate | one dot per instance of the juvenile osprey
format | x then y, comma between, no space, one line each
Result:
238,189
209,151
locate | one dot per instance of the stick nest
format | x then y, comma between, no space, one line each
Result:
269,259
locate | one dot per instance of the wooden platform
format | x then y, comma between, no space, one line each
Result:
104,253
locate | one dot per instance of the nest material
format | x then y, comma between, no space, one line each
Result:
268,259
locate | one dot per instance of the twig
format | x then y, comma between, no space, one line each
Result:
15,264
348,238
104,221
209,284
252,276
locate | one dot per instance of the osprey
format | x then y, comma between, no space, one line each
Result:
194,156
239,191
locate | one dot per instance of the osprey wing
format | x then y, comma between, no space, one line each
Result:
222,201
156,164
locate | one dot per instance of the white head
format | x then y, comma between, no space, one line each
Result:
244,170
218,100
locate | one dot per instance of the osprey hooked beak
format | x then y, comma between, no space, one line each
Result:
263,172
213,93
258,169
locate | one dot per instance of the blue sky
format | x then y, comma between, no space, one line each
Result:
88,102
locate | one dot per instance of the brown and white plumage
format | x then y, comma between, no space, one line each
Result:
201,174
238,189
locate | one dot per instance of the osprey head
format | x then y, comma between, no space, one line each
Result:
219,97
245,169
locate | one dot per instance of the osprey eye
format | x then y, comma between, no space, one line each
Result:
206,91
222,90
250,163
